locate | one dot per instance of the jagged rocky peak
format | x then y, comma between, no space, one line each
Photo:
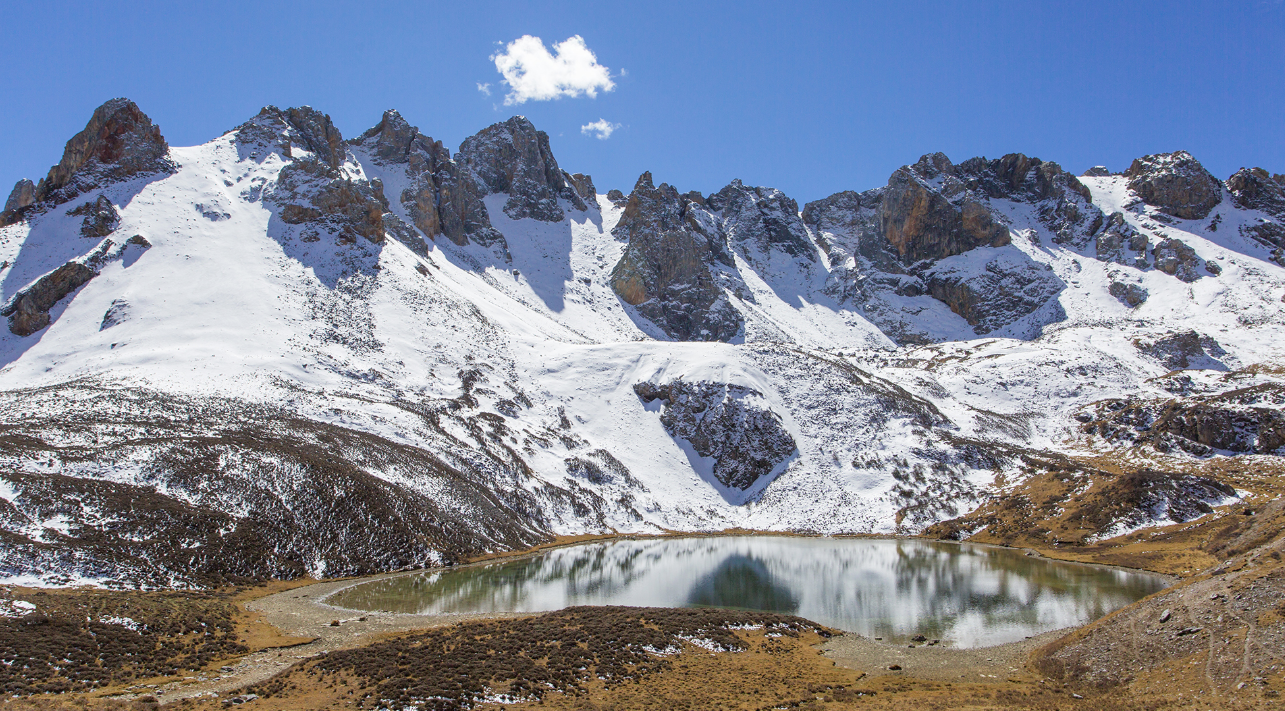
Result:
440,196
317,134
119,141
911,239
926,213
1176,183
513,157
759,220
670,267
1097,171
313,190
394,140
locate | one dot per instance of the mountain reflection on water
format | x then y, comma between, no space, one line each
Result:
964,595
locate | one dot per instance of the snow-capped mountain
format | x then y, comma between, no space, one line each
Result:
284,353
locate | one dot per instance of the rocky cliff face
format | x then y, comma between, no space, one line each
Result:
1242,420
909,239
119,142
674,264
921,222
1176,183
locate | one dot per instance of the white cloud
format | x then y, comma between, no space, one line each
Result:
601,127
484,88
532,73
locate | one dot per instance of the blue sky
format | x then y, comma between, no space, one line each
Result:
811,98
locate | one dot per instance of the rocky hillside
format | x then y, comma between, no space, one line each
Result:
284,352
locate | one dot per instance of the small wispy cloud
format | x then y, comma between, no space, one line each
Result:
484,88
532,73
602,128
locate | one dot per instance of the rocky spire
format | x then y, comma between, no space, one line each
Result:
440,197
118,142
668,268
24,193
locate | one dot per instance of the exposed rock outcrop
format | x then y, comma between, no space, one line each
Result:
310,193
1119,242
730,423
1175,258
1186,350
315,189
1256,189
28,309
1006,288
922,223
514,158
1247,420
583,185
119,142
100,216
1097,171
1176,183
1131,295
670,269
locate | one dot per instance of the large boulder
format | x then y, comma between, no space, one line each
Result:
1176,183
514,158
667,271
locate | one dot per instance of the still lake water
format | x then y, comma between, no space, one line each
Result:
966,596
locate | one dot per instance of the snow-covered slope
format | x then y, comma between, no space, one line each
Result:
280,353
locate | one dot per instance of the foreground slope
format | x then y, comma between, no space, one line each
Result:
282,353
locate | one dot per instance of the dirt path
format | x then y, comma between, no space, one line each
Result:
979,665
299,613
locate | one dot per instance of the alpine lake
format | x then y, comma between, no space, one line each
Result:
963,595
